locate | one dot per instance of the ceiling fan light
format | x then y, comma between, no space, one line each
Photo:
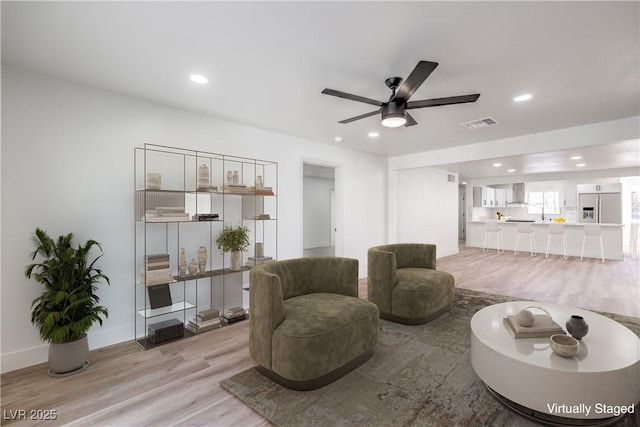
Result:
393,115
394,121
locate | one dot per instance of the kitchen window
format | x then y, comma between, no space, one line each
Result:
549,199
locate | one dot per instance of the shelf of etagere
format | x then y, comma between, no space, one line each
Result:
173,308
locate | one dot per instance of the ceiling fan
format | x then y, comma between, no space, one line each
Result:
393,111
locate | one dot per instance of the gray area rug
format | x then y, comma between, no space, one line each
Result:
417,376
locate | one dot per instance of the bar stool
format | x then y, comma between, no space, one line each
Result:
492,227
525,228
557,229
592,230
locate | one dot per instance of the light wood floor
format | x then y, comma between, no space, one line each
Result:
178,383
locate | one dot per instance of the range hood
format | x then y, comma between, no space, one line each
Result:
518,195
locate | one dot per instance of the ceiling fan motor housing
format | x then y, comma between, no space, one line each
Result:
392,109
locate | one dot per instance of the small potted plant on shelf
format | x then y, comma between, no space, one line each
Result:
68,305
234,239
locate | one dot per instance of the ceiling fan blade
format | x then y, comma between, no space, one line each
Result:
413,82
363,116
435,102
352,97
410,120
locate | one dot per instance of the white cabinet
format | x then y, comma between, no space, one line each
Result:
569,196
484,197
501,197
614,187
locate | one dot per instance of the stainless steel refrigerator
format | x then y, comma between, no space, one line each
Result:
603,208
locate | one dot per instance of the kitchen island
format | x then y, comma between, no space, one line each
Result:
611,239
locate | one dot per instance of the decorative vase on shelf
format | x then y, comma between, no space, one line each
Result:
203,177
577,326
182,263
193,267
259,249
202,259
236,177
229,177
259,181
236,260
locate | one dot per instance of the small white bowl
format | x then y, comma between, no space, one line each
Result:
564,345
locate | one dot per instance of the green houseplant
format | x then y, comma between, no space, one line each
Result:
234,239
68,306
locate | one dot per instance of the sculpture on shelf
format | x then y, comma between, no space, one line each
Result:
193,267
229,177
234,239
202,259
236,177
203,177
182,263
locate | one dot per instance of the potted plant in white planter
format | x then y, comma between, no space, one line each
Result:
234,239
68,305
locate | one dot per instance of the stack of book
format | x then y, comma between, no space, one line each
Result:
262,216
234,314
235,188
204,321
264,191
167,214
156,270
252,261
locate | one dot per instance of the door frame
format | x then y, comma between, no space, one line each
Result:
337,181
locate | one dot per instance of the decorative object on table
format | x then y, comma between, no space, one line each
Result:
229,177
525,324
182,263
203,177
236,177
577,326
68,305
154,181
259,249
564,345
234,239
159,296
559,219
202,259
193,267
498,216
259,181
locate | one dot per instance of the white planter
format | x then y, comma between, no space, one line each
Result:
69,358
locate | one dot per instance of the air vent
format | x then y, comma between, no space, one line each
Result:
480,123
451,178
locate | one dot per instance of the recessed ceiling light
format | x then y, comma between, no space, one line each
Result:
464,182
373,134
511,170
338,139
576,157
497,165
197,78
581,165
524,97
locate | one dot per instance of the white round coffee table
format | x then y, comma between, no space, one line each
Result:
598,385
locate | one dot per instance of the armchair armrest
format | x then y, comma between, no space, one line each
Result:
266,312
381,277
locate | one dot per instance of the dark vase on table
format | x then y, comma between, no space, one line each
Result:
577,326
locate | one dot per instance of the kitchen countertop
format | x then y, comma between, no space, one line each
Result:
567,223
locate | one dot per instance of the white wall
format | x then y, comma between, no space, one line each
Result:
317,212
426,209
67,165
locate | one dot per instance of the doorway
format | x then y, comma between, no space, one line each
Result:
320,207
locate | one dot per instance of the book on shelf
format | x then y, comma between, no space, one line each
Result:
156,257
200,329
231,320
253,261
201,324
178,209
262,216
205,217
543,327
207,188
234,312
208,315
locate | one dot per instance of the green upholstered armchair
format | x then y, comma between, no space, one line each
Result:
307,326
405,285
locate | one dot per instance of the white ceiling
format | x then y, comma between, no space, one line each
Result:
268,62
